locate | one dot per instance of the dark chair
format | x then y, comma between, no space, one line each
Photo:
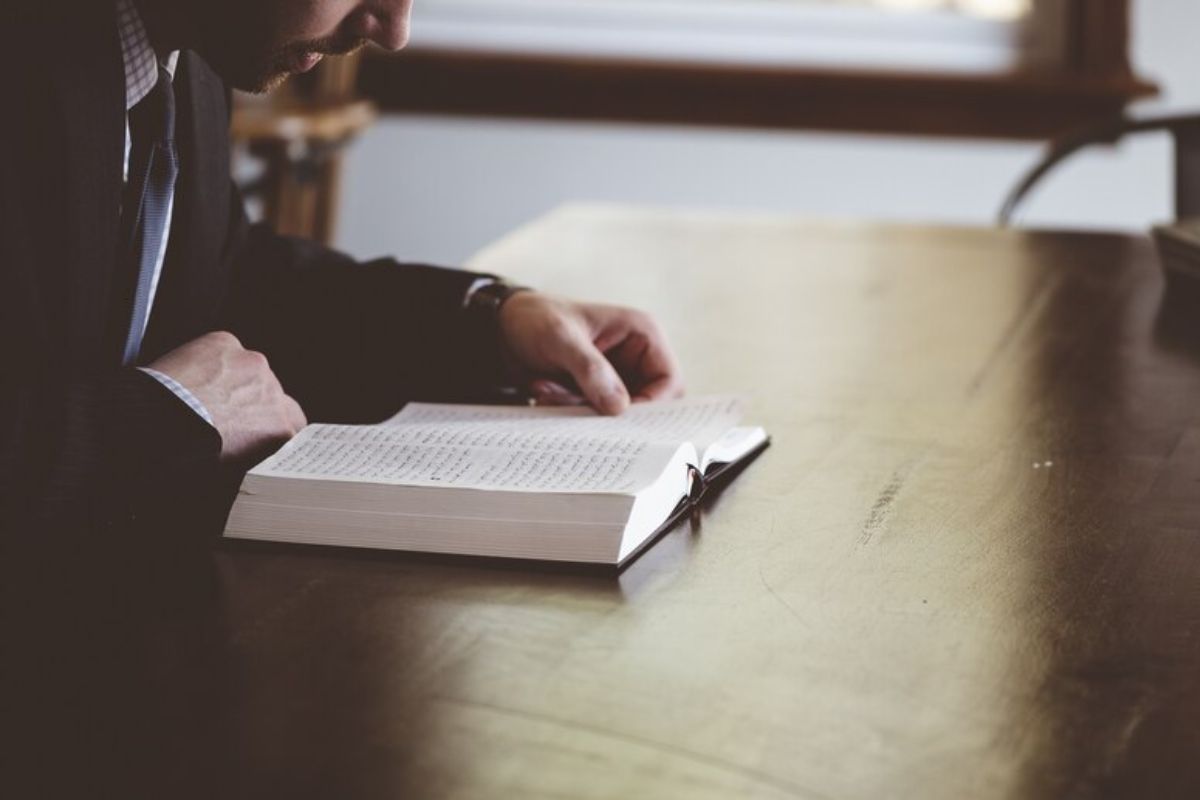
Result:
1184,128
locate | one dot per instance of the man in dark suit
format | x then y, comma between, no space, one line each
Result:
149,334
153,343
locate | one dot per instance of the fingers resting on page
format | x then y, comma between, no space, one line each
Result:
581,353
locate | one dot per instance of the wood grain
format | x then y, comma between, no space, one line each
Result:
968,568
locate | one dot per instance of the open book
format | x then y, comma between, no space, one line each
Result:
559,484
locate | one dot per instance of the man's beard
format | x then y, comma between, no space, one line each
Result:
280,66
246,66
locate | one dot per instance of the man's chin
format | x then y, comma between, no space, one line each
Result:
263,85
256,81
271,79
255,77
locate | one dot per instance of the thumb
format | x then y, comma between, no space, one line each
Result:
595,376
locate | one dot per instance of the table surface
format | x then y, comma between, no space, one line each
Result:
968,567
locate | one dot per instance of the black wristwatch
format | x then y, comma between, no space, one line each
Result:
486,299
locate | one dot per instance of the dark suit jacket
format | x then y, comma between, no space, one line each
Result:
87,445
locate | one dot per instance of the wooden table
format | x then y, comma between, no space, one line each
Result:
968,568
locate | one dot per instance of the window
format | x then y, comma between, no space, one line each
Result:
951,35
995,68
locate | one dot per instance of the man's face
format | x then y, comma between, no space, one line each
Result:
257,44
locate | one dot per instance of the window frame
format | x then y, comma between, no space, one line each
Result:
742,33
1090,80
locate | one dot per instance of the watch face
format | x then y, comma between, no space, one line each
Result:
492,295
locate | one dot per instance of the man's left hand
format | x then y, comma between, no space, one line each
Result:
611,355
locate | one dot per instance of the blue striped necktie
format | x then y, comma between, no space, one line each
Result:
153,172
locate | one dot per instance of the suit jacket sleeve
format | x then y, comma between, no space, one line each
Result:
82,449
350,341
87,452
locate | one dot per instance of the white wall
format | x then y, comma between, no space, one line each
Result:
439,188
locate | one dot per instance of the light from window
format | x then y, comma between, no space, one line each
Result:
988,9
973,36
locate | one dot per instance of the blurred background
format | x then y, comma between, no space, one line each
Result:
908,110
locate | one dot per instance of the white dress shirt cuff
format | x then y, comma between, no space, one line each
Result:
181,392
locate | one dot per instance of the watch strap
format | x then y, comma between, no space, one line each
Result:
487,298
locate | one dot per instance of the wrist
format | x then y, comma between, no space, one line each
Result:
508,324
488,310
513,307
488,298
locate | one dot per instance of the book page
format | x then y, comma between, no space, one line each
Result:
700,421
506,447
391,455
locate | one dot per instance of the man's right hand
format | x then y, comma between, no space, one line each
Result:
240,391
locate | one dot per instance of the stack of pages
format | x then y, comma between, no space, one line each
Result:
559,484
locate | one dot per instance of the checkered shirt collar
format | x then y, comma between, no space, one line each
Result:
141,62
